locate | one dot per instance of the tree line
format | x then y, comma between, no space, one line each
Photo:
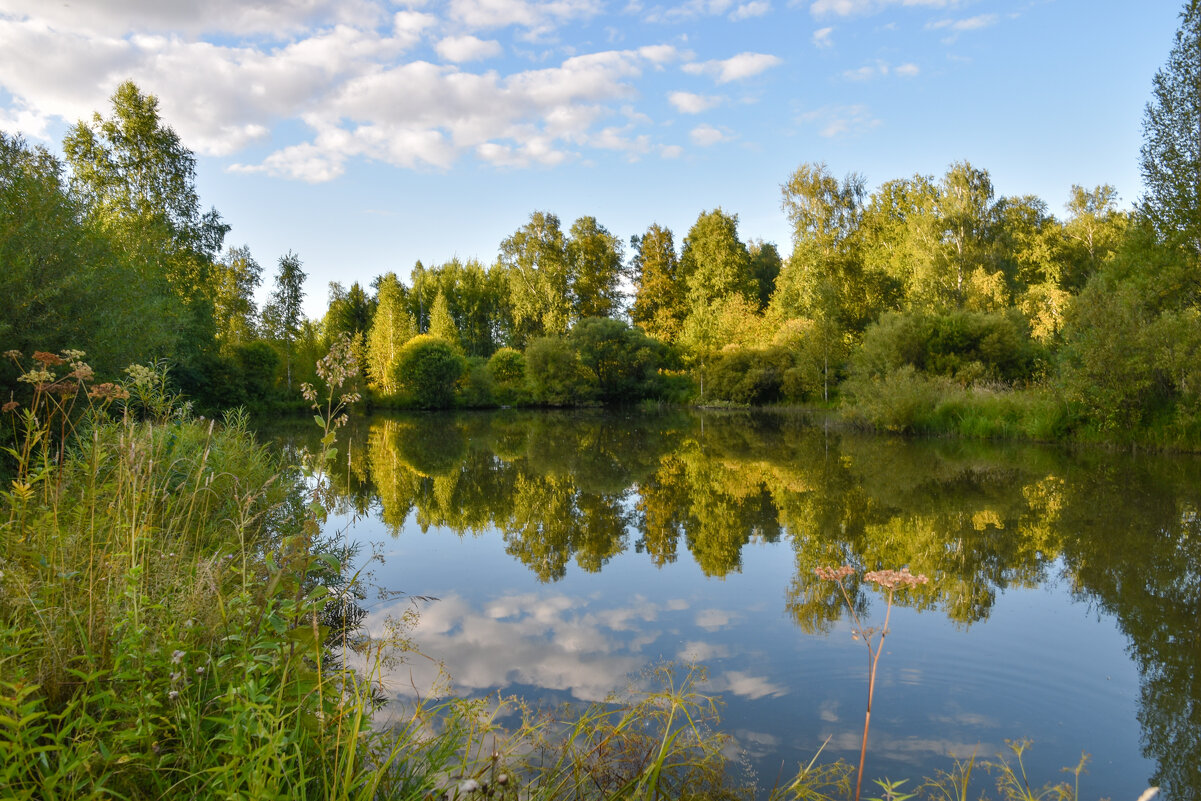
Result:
927,303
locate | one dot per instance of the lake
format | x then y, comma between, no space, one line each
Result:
569,550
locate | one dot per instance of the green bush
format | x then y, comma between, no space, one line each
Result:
621,362
743,375
506,368
555,374
966,346
428,370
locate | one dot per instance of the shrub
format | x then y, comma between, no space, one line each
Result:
556,376
428,369
506,368
746,375
621,362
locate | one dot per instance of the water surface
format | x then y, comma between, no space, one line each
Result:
569,550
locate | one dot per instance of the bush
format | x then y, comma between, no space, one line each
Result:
621,362
556,376
428,369
746,375
506,368
967,346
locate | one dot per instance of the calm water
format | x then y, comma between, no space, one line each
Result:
569,550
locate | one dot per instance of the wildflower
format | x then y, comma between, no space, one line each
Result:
176,677
13,354
12,404
834,573
173,695
65,389
48,359
40,378
108,391
469,786
74,355
82,372
200,670
177,657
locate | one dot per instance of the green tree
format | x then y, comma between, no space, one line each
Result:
967,217
428,369
235,279
1171,151
442,325
715,266
138,181
595,258
536,263
391,328
282,315
766,265
621,361
350,311
1094,231
62,283
659,300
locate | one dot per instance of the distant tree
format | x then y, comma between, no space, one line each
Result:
350,311
595,257
1171,152
282,316
442,325
1094,230
391,328
714,262
659,299
235,279
536,263
765,266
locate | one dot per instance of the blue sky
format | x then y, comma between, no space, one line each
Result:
367,134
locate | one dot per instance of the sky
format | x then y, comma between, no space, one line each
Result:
368,134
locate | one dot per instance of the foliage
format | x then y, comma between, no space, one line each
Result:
506,368
427,370
659,298
621,362
748,376
1171,153
555,373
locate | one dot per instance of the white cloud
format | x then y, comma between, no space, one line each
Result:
756,8
833,121
687,10
689,103
821,38
879,70
849,8
961,25
671,151
736,68
539,18
706,136
467,48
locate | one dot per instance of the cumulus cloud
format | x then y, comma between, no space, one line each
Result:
850,8
880,69
821,38
707,136
537,18
736,68
467,48
832,121
689,103
756,8
961,25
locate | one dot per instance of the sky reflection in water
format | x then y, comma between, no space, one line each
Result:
567,551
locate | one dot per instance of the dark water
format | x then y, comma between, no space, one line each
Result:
569,550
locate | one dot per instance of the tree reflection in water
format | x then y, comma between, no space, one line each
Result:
582,487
